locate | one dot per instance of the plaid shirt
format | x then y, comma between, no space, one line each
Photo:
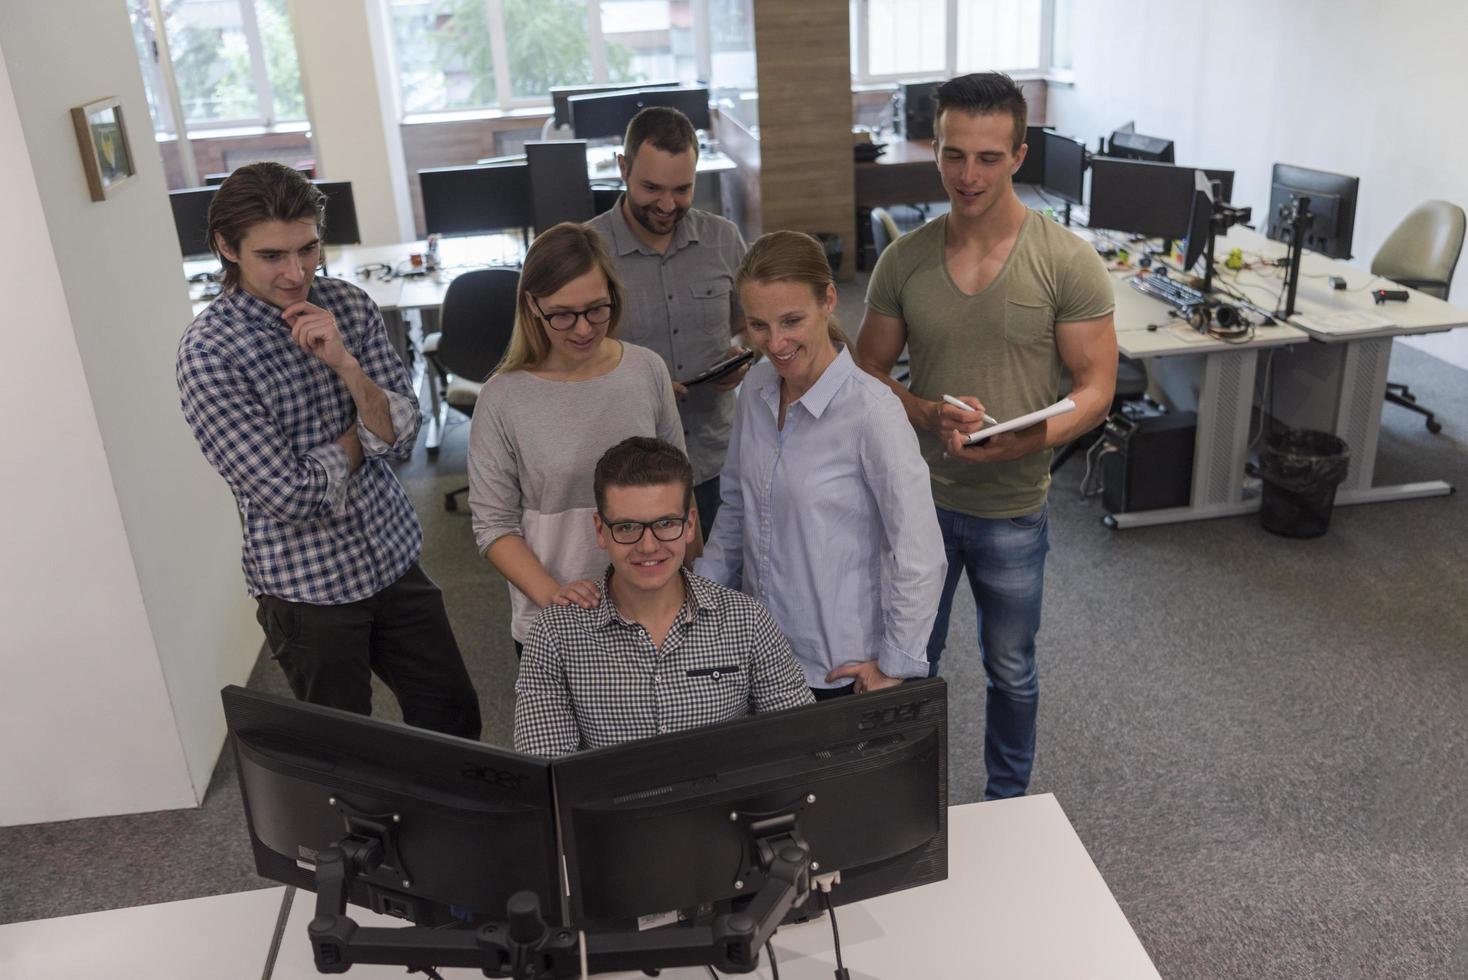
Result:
590,678
268,415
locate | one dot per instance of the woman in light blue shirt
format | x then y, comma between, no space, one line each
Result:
827,515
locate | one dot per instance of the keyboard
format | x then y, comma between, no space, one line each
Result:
1168,290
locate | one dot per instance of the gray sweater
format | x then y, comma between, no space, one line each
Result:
533,446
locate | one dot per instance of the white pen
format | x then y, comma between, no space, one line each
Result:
969,408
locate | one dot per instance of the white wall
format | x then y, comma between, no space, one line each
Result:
351,99
125,610
1344,85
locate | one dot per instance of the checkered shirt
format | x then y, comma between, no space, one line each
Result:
267,416
589,678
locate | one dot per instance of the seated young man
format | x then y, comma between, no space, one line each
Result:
664,650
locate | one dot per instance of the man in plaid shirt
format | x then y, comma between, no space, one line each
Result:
663,649
299,401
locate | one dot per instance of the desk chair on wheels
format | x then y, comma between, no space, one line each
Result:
475,325
1422,253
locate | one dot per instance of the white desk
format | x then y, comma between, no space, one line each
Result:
1225,400
1022,900
1338,385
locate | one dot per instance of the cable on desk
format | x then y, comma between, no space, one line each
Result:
840,971
774,966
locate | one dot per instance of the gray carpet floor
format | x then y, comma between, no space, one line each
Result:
1263,743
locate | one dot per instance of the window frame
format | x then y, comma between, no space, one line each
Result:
506,101
165,79
860,75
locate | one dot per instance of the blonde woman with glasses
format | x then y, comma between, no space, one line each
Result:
566,391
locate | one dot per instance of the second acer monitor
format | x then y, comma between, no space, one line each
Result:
1149,199
475,200
1131,145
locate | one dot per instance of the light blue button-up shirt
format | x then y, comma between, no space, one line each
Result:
829,522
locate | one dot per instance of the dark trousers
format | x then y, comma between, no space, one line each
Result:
401,634
827,693
706,499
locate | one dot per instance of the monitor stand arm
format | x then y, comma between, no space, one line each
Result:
1225,216
1300,218
731,942
525,949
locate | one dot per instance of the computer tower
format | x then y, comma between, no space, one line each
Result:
559,187
1147,463
918,109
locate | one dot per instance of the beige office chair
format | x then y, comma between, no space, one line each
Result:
1422,253
884,230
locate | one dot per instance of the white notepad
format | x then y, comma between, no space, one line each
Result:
1024,421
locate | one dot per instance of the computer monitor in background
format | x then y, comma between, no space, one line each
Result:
341,213
475,200
191,219
602,116
684,828
1225,180
445,830
214,180
560,94
1141,198
1200,220
919,109
1332,204
559,187
1032,171
692,102
1134,146
1065,167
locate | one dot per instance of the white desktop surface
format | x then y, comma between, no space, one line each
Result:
1023,900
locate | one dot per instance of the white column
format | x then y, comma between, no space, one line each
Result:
122,605
352,104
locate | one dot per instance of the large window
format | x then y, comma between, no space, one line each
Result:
504,54
233,63
893,39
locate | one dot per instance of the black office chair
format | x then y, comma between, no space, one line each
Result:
1422,253
1131,384
475,325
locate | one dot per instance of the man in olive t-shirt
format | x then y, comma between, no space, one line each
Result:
991,300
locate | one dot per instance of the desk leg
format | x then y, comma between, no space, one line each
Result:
1358,421
1220,448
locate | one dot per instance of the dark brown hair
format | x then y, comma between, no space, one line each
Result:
665,128
792,256
983,93
642,462
558,255
260,192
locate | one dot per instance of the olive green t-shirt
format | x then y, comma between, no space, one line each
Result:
998,345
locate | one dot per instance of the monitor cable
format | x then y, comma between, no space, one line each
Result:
841,973
774,966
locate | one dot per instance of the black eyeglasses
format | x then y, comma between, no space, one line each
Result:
563,320
631,532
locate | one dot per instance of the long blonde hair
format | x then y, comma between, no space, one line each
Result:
558,255
792,256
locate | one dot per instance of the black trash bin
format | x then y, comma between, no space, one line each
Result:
1301,470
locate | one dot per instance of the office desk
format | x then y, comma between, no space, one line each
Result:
399,293
1225,399
906,173
1023,899
1338,384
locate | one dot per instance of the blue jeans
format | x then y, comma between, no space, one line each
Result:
1005,562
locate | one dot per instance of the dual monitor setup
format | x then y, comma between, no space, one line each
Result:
686,849
191,215
1137,189
550,183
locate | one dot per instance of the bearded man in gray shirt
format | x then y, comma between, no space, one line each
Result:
677,266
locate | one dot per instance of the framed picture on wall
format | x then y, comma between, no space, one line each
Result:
106,155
